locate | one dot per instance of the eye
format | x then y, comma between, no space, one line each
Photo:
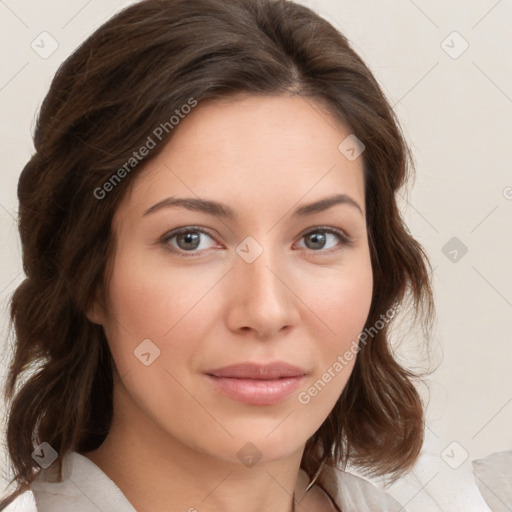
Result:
187,240
317,238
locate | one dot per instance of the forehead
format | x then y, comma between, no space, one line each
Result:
252,149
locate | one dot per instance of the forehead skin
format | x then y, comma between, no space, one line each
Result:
266,154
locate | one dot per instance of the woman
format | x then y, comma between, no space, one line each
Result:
214,255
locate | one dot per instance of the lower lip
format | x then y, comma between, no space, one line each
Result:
256,392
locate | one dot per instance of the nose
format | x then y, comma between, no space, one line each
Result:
261,297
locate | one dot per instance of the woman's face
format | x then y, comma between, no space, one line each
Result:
269,283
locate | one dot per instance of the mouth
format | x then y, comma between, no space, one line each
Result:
256,384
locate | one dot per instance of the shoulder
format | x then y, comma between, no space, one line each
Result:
83,488
354,493
25,502
493,477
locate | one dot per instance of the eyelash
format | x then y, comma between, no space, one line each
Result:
346,241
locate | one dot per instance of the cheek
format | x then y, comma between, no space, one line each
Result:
159,303
342,301
341,310
156,304
149,299
349,307
139,307
341,305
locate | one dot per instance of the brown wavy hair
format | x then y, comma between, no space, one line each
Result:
129,76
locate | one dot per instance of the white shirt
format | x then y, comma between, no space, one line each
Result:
86,488
493,476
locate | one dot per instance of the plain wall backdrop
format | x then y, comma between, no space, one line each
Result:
445,67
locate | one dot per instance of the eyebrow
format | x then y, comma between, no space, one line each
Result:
223,211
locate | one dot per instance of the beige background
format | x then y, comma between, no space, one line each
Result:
456,111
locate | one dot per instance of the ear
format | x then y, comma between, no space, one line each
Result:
95,312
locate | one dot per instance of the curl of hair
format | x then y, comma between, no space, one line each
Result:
104,101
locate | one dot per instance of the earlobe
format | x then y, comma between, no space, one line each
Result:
94,315
95,312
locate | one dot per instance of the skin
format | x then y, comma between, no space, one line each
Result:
174,438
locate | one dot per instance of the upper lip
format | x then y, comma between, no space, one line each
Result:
250,370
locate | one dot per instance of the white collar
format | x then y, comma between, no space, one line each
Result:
86,488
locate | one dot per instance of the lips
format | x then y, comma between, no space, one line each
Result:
257,384
272,371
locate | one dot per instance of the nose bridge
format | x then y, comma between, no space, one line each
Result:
258,275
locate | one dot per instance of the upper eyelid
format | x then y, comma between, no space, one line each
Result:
174,232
